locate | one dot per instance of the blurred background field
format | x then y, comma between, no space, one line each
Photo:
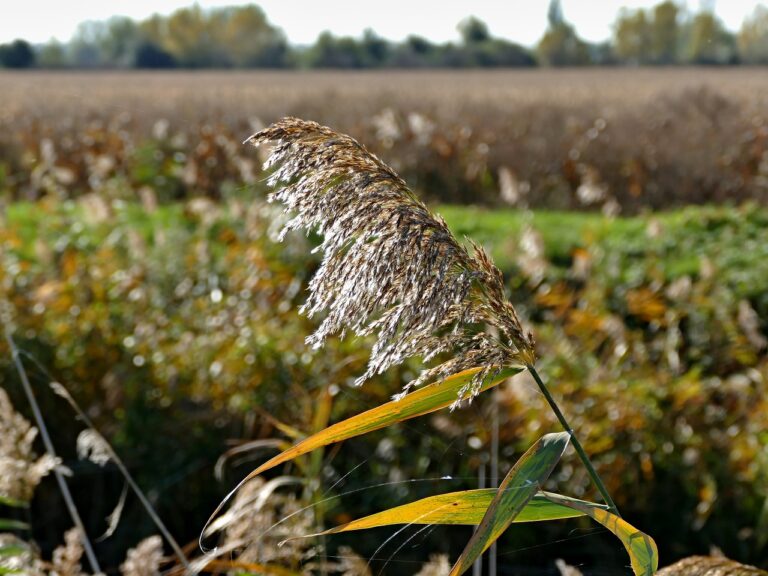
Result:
620,139
626,208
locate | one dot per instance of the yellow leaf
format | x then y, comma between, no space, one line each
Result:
465,507
641,548
518,488
423,401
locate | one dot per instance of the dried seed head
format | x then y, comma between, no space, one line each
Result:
20,469
145,559
92,446
390,267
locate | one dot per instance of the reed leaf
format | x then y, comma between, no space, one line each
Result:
423,401
13,502
13,550
466,507
516,490
641,548
13,525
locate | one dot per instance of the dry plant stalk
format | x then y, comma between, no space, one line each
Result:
264,526
20,469
390,267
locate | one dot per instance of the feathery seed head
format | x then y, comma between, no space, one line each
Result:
390,267
20,469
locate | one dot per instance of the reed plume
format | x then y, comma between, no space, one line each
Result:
20,469
145,559
390,267
67,557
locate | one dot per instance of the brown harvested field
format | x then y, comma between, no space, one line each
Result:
561,138
280,92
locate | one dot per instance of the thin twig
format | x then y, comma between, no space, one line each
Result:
576,444
66,494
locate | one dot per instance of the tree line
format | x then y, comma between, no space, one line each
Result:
243,37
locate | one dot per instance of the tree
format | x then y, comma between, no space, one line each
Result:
473,31
86,46
664,33
17,54
150,55
247,38
52,55
238,36
632,36
555,14
753,37
415,52
479,48
560,45
118,42
332,52
710,42
188,38
376,50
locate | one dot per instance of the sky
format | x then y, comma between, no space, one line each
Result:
302,21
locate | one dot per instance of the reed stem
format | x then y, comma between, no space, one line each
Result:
576,444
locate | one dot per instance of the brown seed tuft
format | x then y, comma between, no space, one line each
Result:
390,267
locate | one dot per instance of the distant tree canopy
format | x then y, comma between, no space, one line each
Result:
477,49
17,54
710,42
663,35
233,37
243,37
753,38
560,45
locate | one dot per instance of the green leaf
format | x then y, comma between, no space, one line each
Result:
13,502
422,401
518,488
12,550
13,525
641,547
466,507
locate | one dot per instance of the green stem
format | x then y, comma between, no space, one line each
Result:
576,444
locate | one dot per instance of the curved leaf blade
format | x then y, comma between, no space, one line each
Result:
518,488
12,550
13,502
641,548
422,401
13,525
466,507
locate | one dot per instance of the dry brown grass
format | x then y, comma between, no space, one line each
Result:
647,137
275,93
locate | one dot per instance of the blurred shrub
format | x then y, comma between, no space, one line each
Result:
176,328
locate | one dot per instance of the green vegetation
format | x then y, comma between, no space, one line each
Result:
242,37
138,267
173,325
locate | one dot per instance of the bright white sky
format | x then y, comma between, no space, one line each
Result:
522,21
